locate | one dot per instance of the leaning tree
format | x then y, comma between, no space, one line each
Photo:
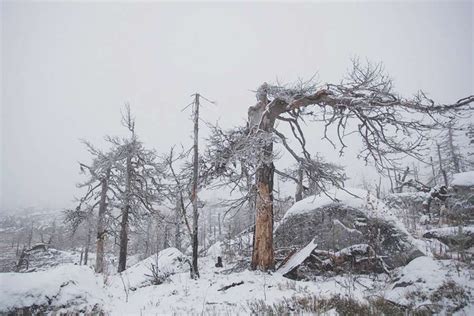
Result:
363,103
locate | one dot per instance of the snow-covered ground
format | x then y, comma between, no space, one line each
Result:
78,288
445,286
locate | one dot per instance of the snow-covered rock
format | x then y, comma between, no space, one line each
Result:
350,220
69,286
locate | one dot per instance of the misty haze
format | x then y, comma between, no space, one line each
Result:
237,158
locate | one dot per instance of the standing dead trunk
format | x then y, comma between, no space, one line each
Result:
441,169
401,180
82,255
263,256
88,242
123,240
452,149
219,223
195,242
299,185
125,216
433,171
177,240
166,243
101,232
262,121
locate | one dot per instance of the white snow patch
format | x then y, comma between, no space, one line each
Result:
169,261
465,179
425,275
333,196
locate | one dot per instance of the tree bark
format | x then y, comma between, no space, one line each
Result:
125,215
123,240
101,233
261,120
263,255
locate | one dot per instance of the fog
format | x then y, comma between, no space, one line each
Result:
68,69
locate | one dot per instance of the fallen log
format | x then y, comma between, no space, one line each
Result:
298,258
229,286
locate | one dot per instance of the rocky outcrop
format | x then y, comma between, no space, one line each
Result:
338,226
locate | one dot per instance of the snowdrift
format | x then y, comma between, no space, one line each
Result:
437,284
168,262
63,287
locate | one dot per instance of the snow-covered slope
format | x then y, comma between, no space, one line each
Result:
75,288
426,281
168,261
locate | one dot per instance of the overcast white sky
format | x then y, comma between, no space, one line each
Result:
68,68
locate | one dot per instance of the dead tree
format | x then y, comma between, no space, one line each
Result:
138,185
194,197
195,184
100,173
449,154
365,96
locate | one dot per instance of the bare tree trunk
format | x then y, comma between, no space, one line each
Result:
378,188
147,238
177,241
401,180
443,172
299,185
263,256
219,220
195,241
433,171
391,181
166,243
123,240
125,215
454,155
101,232
82,255
88,241
263,253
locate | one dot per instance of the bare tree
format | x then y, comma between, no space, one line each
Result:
138,185
96,194
389,126
194,197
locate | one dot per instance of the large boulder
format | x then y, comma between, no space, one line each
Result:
343,220
455,236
